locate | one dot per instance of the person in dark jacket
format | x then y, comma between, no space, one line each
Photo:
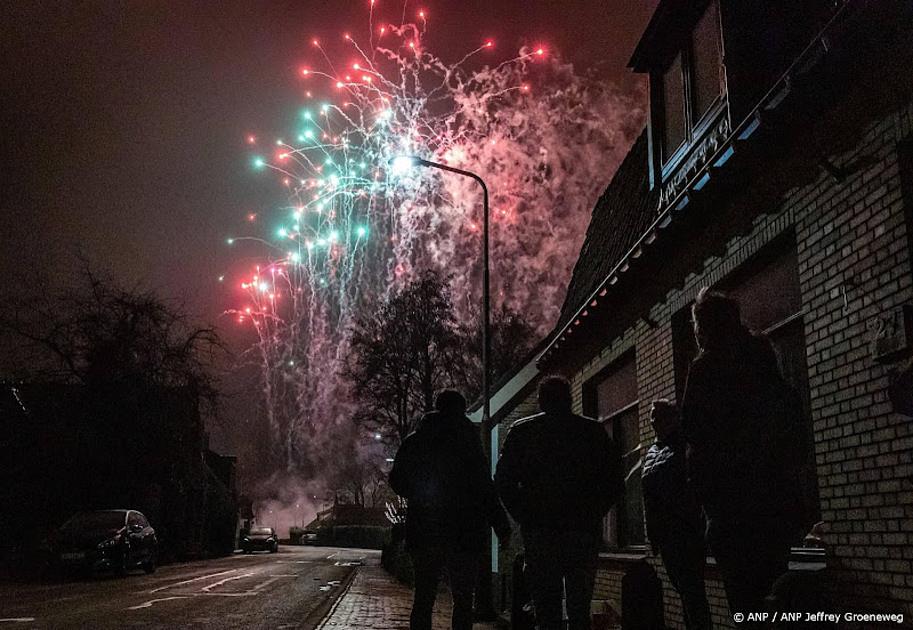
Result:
674,522
441,471
743,425
558,476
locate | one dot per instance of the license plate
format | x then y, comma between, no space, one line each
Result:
76,555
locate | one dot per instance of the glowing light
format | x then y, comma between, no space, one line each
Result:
360,229
251,139
230,241
402,164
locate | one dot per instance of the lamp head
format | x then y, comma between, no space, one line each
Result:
402,164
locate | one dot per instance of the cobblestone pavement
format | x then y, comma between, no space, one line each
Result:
376,600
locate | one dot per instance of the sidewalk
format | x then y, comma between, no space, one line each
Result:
375,600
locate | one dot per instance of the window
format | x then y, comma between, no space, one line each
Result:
612,397
674,107
706,61
770,302
685,102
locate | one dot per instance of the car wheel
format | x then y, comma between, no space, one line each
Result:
274,549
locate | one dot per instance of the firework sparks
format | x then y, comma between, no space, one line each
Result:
353,227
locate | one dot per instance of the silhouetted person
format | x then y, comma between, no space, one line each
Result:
742,423
442,472
558,476
674,522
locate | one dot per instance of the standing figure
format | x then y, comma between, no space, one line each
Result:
743,425
674,522
441,471
558,476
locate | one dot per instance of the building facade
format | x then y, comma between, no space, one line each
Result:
777,165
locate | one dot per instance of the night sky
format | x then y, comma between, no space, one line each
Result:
124,122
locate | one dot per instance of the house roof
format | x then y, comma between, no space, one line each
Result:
839,44
621,216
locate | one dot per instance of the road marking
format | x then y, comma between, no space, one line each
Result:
17,620
207,589
196,579
152,601
332,555
265,583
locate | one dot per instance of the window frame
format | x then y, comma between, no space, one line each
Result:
780,246
615,520
695,124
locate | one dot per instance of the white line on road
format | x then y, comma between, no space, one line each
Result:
208,588
152,601
265,583
17,620
196,579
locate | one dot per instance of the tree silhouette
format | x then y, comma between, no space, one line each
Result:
413,345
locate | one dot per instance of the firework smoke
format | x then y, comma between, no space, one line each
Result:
545,139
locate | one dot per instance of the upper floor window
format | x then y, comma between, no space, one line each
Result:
692,81
675,123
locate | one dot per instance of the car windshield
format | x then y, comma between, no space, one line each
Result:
261,531
96,521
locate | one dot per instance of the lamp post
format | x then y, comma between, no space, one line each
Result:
484,602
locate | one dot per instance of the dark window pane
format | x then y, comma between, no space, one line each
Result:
706,61
769,297
674,107
615,392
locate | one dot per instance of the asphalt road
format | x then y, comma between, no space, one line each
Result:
289,589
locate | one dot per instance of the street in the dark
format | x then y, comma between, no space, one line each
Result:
291,589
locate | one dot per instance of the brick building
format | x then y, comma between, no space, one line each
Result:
777,164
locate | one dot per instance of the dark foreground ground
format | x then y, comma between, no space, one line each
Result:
291,589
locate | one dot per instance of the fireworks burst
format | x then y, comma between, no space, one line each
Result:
353,228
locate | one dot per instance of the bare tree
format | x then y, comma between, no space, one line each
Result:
98,333
413,345
403,352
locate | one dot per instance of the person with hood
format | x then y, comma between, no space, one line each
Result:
559,474
742,423
441,470
674,522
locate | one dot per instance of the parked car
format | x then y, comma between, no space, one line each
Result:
106,540
309,538
260,539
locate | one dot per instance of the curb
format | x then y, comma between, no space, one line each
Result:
326,611
319,617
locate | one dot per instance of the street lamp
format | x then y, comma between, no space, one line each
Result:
400,165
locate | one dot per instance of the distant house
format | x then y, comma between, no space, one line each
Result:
342,514
777,165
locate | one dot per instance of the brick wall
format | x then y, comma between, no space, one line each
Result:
854,266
